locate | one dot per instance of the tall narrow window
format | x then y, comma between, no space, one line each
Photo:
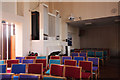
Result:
35,25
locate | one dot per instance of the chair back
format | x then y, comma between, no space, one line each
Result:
3,68
99,54
54,57
10,62
20,59
6,76
27,61
79,58
41,57
84,54
36,68
86,65
66,57
74,54
91,53
70,62
54,61
73,72
49,77
29,77
30,57
94,60
18,68
44,61
2,61
56,70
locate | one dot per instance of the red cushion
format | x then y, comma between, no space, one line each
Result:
54,57
10,62
41,61
35,68
73,72
86,75
31,57
56,70
70,62
86,65
8,71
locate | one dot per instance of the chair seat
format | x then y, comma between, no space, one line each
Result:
95,68
86,75
15,77
48,71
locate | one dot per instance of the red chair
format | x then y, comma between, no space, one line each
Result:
10,62
54,57
36,68
30,57
44,61
57,70
86,68
73,72
70,62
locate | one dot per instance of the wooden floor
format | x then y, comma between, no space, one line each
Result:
111,70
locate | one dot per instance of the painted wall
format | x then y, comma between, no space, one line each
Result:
85,10
105,36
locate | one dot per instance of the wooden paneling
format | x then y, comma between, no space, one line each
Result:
13,47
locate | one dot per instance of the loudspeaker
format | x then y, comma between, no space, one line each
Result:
35,25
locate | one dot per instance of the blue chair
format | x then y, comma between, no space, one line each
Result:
20,59
91,53
2,62
95,65
66,57
27,61
18,68
29,77
3,68
6,76
41,57
74,54
83,54
99,54
79,58
53,78
53,61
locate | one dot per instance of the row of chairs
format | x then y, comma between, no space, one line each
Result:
68,61
97,54
11,76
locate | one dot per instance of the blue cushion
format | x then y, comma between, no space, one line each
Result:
74,54
20,58
51,78
64,58
41,57
54,61
48,71
2,62
91,54
94,60
2,68
99,54
6,77
18,68
79,59
15,77
95,68
28,61
28,77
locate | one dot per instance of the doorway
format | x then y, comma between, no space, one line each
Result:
8,41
